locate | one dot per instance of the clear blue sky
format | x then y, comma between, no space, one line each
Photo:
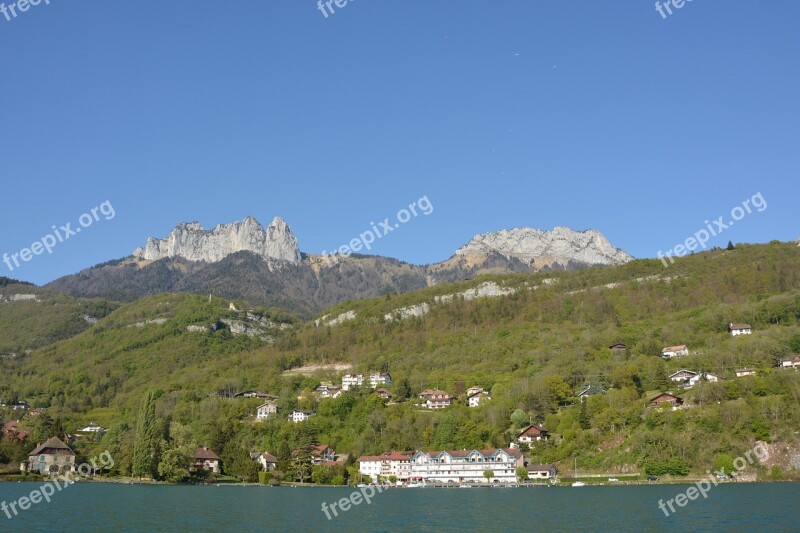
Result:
585,114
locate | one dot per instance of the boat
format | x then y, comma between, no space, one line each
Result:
575,476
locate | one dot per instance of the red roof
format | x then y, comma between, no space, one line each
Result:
534,430
205,454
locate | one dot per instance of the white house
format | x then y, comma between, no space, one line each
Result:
478,397
396,464
791,362
711,378
540,472
466,466
531,434
742,372
374,379
739,329
682,375
267,461
300,416
435,399
93,428
674,351
266,410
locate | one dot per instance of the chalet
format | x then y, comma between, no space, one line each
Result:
473,390
266,410
711,378
743,372
682,376
300,416
267,461
322,454
739,329
791,362
53,457
591,390
667,399
373,380
674,351
383,393
531,434
541,472
93,428
205,459
435,399
466,466
397,464
476,398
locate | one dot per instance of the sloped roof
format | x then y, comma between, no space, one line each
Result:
205,453
53,443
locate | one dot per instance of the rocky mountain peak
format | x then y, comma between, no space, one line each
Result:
539,248
193,242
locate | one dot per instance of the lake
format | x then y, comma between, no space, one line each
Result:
110,507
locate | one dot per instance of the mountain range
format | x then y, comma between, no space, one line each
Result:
243,260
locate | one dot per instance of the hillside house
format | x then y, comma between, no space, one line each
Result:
618,347
254,394
744,372
93,428
267,461
478,397
711,378
205,459
666,399
682,376
323,454
435,399
328,390
389,464
383,393
473,390
531,434
791,362
674,351
373,380
739,329
591,390
266,410
53,457
297,415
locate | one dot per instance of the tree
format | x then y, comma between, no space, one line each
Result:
488,474
145,446
730,246
583,417
520,419
522,474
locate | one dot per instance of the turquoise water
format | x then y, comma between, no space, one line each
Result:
107,507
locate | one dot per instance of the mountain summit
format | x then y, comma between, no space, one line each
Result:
194,243
558,248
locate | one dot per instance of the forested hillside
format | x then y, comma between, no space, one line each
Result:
534,348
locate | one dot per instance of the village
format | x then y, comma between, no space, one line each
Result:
408,468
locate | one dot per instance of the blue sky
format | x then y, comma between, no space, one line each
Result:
505,114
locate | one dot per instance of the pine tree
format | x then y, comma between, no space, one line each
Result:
731,246
143,452
583,417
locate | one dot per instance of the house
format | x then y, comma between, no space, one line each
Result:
20,406
93,428
323,454
267,461
531,434
739,329
791,362
435,399
11,431
328,390
254,394
742,372
266,410
300,416
536,472
205,459
374,379
674,351
473,390
53,457
397,464
666,399
383,393
591,390
476,398
682,376
711,378
466,466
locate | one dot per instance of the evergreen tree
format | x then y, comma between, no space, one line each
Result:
583,418
144,448
731,246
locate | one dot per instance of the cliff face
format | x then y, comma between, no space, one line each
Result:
194,243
